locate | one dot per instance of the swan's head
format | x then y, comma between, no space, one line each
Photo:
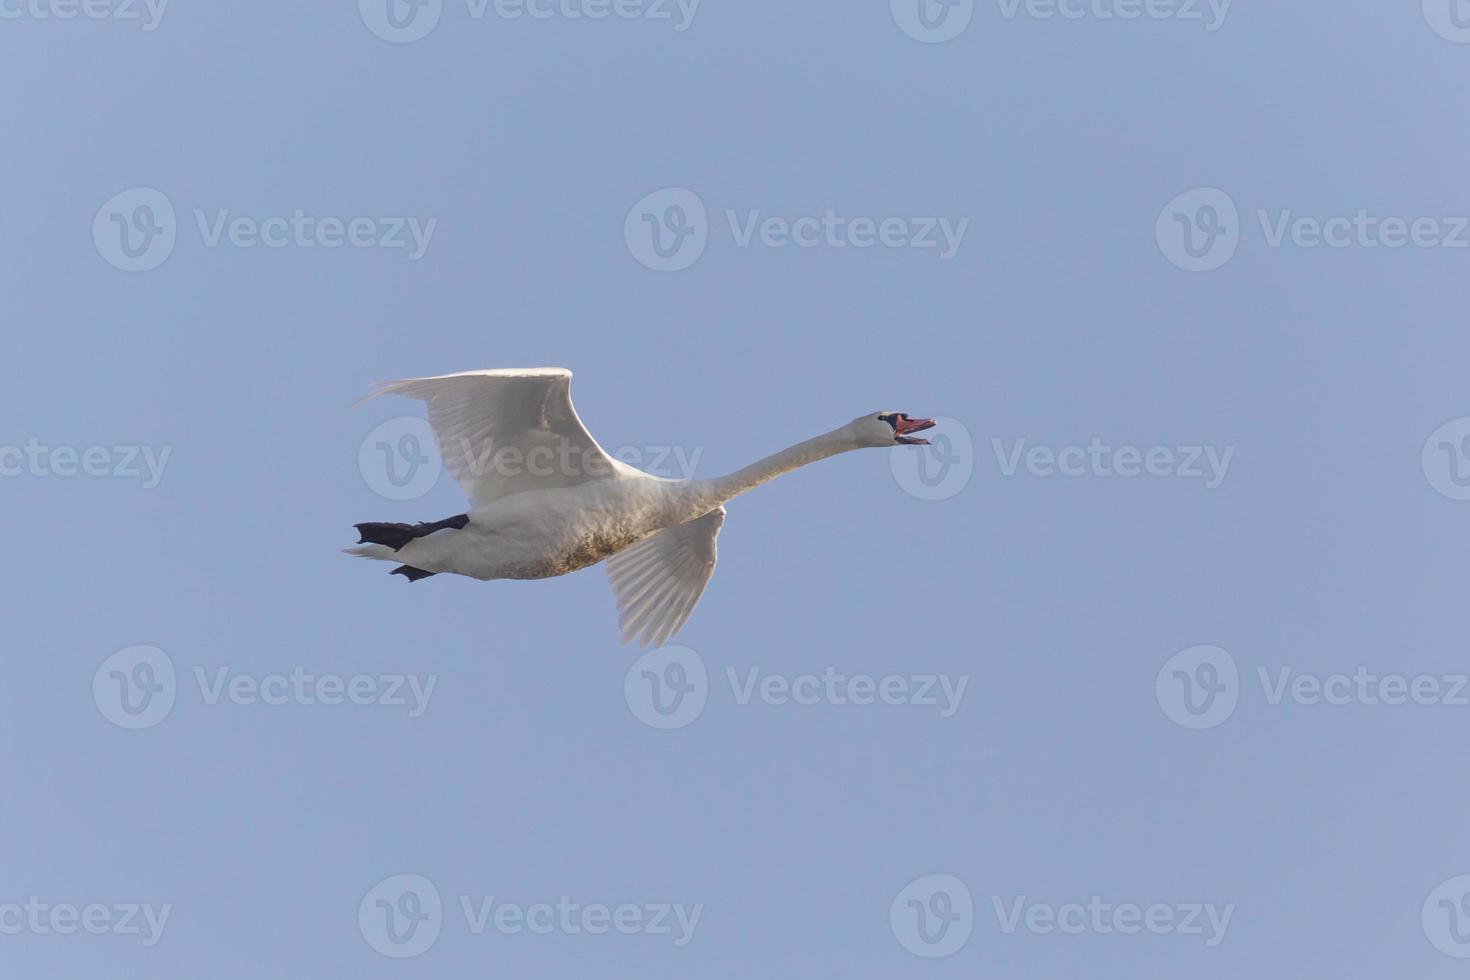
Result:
890,429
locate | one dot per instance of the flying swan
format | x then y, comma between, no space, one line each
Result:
547,500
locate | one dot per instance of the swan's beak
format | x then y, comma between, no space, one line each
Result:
906,425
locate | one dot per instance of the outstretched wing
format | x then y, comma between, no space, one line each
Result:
505,431
658,580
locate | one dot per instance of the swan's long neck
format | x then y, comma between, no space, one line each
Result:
720,489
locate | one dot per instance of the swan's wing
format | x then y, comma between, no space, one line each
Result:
658,580
505,431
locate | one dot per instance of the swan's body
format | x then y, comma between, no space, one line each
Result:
547,500
549,533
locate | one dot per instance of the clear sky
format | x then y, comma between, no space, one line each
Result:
1078,238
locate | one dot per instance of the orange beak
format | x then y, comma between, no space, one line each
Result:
904,426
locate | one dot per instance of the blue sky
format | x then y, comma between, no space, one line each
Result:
1162,652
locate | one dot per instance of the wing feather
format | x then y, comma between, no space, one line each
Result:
508,430
659,580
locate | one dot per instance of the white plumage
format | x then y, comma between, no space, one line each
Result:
547,499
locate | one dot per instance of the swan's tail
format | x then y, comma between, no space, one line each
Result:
383,541
378,551
384,553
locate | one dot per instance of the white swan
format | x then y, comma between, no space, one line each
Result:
547,500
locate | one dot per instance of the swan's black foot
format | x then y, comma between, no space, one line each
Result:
411,573
395,536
